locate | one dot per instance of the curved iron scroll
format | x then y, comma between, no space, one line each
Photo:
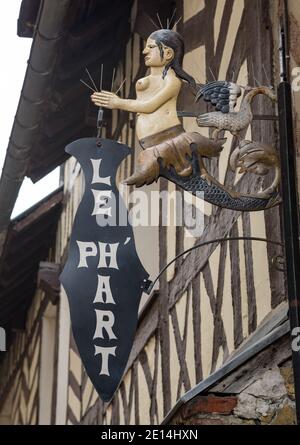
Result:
149,285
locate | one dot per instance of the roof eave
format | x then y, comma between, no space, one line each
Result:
49,30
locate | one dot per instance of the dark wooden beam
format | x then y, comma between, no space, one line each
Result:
41,209
48,280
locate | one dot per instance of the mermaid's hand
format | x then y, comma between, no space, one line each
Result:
106,99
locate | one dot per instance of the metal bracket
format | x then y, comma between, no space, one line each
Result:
149,285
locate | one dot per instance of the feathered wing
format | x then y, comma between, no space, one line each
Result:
221,94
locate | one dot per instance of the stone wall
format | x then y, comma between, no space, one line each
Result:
261,392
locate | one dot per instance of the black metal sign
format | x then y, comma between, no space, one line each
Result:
103,276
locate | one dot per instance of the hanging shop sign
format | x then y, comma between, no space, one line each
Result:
103,276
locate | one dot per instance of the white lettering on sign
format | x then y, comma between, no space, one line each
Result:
86,249
111,253
105,353
101,198
105,320
106,251
103,288
96,173
105,256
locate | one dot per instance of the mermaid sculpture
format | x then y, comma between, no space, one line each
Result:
168,150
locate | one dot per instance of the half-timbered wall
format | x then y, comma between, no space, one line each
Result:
294,40
213,298
20,377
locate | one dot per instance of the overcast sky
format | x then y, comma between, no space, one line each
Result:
14,55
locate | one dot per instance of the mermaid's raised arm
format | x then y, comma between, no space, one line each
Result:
110,100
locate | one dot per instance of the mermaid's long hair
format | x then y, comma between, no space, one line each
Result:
173,40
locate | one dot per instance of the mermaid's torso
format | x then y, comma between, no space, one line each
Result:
161,119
